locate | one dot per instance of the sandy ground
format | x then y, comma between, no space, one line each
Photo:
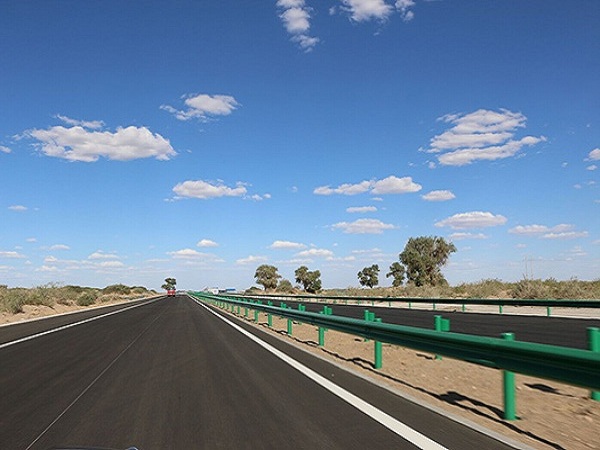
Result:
551,415
32,312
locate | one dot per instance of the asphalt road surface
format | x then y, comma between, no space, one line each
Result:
561,331
172,374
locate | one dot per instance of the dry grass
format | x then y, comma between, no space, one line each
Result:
13,300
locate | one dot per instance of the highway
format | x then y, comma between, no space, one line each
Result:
173,374
566,332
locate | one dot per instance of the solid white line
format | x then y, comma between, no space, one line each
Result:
386,420
70,325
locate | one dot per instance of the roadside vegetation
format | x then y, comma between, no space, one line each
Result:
12,300
418,273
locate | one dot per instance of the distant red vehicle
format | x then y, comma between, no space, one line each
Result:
171,293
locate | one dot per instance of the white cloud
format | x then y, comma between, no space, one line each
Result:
394,185
474,219
110,264
205,190
403,6
19,208
286,245
537,230
438,196
189,253
11,255
363,226
344,189
592,167
251,259
206,243
78,144
93,124
461,236
594,155
204,106
480,135
365,10
361,209
316,252
566,235
31,239
102,255
4,149
389,185
59,247
295,16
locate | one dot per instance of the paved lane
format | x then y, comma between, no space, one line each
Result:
172,375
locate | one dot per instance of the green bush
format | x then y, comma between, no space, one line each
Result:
120,289
86,298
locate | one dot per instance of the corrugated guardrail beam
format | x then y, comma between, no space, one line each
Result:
568,365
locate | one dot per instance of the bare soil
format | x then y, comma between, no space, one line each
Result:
32,312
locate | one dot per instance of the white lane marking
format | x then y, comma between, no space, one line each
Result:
70,325
386,420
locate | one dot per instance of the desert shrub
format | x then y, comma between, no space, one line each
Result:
86,298
285,286
119,289
534,289
12,300
482,289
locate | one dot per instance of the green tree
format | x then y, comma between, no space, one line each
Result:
267,276
397,271
170,284
310,280
369,276
423,258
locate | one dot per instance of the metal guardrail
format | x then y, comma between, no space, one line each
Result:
563,364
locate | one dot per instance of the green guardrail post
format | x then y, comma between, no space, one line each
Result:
441,324
238,310
246,311
378,351
508,379
500,308
464,308
256,315
409,305
548,311
270,316
594,346
290,323
434,306
321,333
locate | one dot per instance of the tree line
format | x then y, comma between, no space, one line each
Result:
419,264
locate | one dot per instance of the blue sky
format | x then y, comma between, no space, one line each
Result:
200,139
